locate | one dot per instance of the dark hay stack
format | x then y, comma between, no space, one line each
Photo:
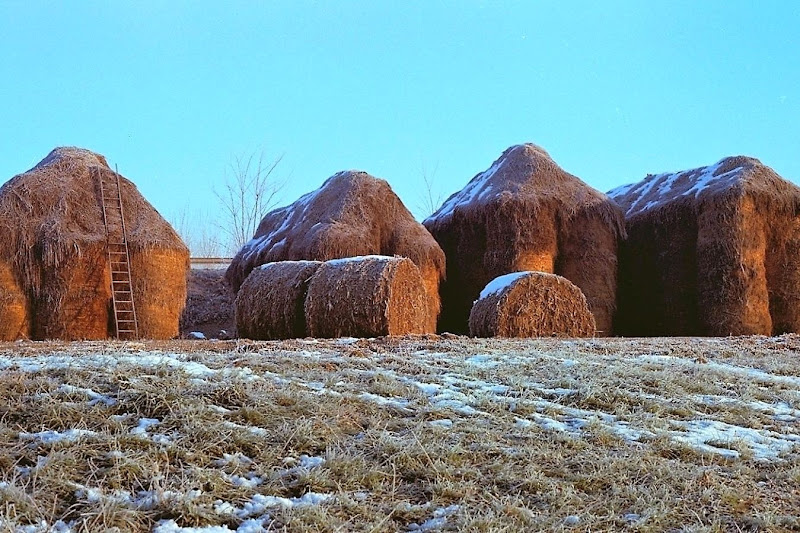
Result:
367,297
56,251
352,214
525,213
270,303
209,304
710,251
531,304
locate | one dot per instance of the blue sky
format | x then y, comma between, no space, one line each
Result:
172,91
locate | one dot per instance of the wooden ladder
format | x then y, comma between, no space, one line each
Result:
127,327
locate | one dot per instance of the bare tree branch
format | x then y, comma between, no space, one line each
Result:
430,195
249,192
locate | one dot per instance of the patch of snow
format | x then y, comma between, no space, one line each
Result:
260,503
52,437
400,403
499,283
444,423
343,260
482,361
765,445
439,520
94,397
197,335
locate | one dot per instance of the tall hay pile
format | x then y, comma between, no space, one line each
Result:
531,304
367,297
55,251
711,251
270,303
352,214
525,213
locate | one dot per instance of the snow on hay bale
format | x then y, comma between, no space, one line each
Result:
54,252
531,304
352,214
711,251
525,213
367,297
270,301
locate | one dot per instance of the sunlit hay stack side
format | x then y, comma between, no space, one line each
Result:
367,297
14,320
531,304
352,214
711,251
270,303
56,250
525,213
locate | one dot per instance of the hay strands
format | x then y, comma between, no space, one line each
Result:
126,324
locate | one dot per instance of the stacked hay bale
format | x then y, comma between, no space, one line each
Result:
352,214
531,304
55,257
525,213
367,297
711,251
270,301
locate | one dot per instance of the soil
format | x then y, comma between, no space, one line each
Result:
209,305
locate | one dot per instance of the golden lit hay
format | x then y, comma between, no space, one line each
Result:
531,304
526,213
270,301
367,297
711,251
55,246
352,214
14,323
159,288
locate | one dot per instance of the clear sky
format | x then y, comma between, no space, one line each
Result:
172,91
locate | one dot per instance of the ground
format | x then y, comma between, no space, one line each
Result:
209,305
412,434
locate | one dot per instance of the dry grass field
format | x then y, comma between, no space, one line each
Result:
411,434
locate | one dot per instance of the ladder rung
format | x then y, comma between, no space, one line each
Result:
126,331
120,272
119,321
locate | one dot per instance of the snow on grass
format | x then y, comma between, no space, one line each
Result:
438,521
50,436
704,434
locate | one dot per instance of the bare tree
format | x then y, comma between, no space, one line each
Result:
250,190
430,196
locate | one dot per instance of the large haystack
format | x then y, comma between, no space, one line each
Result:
531,304
54,254
367,297
352,214
711,251
271,300
527,214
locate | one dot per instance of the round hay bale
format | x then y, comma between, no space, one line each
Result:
271,299
367,297
531,304
14,322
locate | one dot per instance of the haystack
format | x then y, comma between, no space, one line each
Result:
531,304
352,214
527,214
54,257
711,251
270,301
367,297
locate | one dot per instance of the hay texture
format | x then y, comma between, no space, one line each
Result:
271,300
54,251
525,213
531,304
367,297
352,214
711,251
